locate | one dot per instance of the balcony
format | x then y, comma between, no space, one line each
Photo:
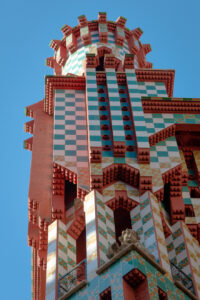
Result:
181,277
73,280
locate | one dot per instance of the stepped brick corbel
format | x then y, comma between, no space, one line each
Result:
84,30
28,126
103,29
119,31
112,148
145,184
162,135
28,144
122,200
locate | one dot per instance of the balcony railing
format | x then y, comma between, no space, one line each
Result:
72,278
179,275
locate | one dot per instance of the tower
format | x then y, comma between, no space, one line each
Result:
114,200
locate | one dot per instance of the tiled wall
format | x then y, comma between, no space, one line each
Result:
113,277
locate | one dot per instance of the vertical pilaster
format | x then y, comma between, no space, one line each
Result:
51,272
91,235
61,257
100,231
146,220
143,147
115,106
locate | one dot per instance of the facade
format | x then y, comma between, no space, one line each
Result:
114,199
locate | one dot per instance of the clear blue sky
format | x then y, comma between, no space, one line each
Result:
171,27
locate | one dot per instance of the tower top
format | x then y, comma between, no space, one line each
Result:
97,37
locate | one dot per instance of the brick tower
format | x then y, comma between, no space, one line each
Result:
114,198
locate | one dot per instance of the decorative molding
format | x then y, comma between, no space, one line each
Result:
171,105
124,251
60,82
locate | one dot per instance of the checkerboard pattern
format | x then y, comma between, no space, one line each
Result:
100,230
177,249
75,61
109,192
61,255
137,110
186,195
146,220
194,256
123,93
102,95
160,237
93,109
106,227
158,122
163,157
113,278
115,106
184,251
70,132
91,234
143,223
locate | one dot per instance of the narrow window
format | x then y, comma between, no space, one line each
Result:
122,221
70,194
166,199
100,67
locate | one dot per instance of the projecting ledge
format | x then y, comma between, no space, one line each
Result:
185,290
126,250
79,286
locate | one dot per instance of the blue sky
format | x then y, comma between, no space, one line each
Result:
171,27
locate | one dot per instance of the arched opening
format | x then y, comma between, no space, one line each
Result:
122,220
70,194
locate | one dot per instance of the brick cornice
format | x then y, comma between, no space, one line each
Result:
166,76
78,83
171,105
63,83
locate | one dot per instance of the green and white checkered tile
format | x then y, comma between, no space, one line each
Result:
93,109
152,89
143,223
70,132
75,61
160,237
165,154
102,94
194,255
95,37
136,222
158,122
137,110
102,228
115,106
181,258
186,195
124,94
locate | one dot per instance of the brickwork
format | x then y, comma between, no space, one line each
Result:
110,142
